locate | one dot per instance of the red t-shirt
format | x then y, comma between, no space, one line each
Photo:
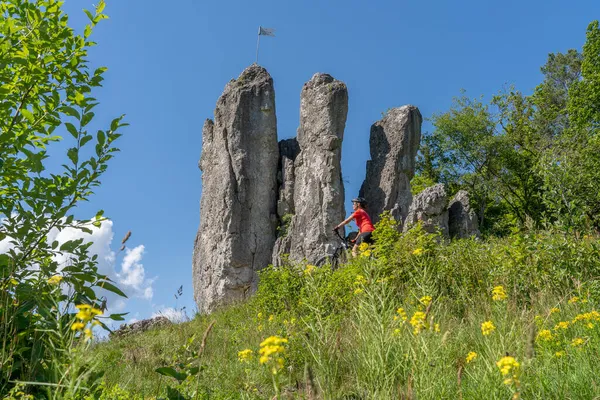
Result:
363,221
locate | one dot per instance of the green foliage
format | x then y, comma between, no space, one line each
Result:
387,339
526,160
45,90
284,225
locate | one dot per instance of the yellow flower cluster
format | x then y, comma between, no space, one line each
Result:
55,280
561,325
498,293
554,310
425,300
544,335
418,252
487,328
577,342
471,357
509,366
309,269
271,352
245,355
85,315
588,316
401,315
418,322
573,300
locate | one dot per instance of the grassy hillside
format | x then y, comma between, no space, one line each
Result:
412,318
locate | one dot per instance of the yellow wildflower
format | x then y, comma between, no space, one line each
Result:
260,315
554,310
271,318
573,300
561,325
87,333
366,253
309,269
55,280
418,322
397,331
471,357
358,291
544,335
508,364
245,355
436,328
418,252
401,314
577,342
363,247
425,300
590,325
487,328
271,352
77,326
561,353
360,280
498,293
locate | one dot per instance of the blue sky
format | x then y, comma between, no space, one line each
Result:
169,62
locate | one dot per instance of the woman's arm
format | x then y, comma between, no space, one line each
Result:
344,222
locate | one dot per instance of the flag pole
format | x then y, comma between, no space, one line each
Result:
257,44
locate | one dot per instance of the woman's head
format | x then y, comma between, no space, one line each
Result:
358,202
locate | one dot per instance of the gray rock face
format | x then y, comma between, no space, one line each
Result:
394,143
431,208
140,326
239,183
462,220
318,194
288,151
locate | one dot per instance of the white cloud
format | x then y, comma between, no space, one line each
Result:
130,277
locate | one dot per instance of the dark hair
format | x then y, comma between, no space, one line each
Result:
360,200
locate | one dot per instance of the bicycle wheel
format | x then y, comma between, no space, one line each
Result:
323,261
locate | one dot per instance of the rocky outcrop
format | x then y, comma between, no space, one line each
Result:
239,183
462,220
318,194
288,151
394,143
140,326
431,208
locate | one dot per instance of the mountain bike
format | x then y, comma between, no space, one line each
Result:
339,254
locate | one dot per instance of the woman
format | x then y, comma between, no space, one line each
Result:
363,221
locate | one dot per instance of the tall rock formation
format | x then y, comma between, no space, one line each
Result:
318,194
431,208
462,220
239,182
394,143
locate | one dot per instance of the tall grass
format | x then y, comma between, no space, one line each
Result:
399,323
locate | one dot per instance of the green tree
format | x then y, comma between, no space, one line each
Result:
571,168
45,93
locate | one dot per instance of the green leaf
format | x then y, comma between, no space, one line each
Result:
28,114
85,140
101,138
73,155
87,118
111,288
79,98
89,14
117,317
70,111
87,31
72,130
168,371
